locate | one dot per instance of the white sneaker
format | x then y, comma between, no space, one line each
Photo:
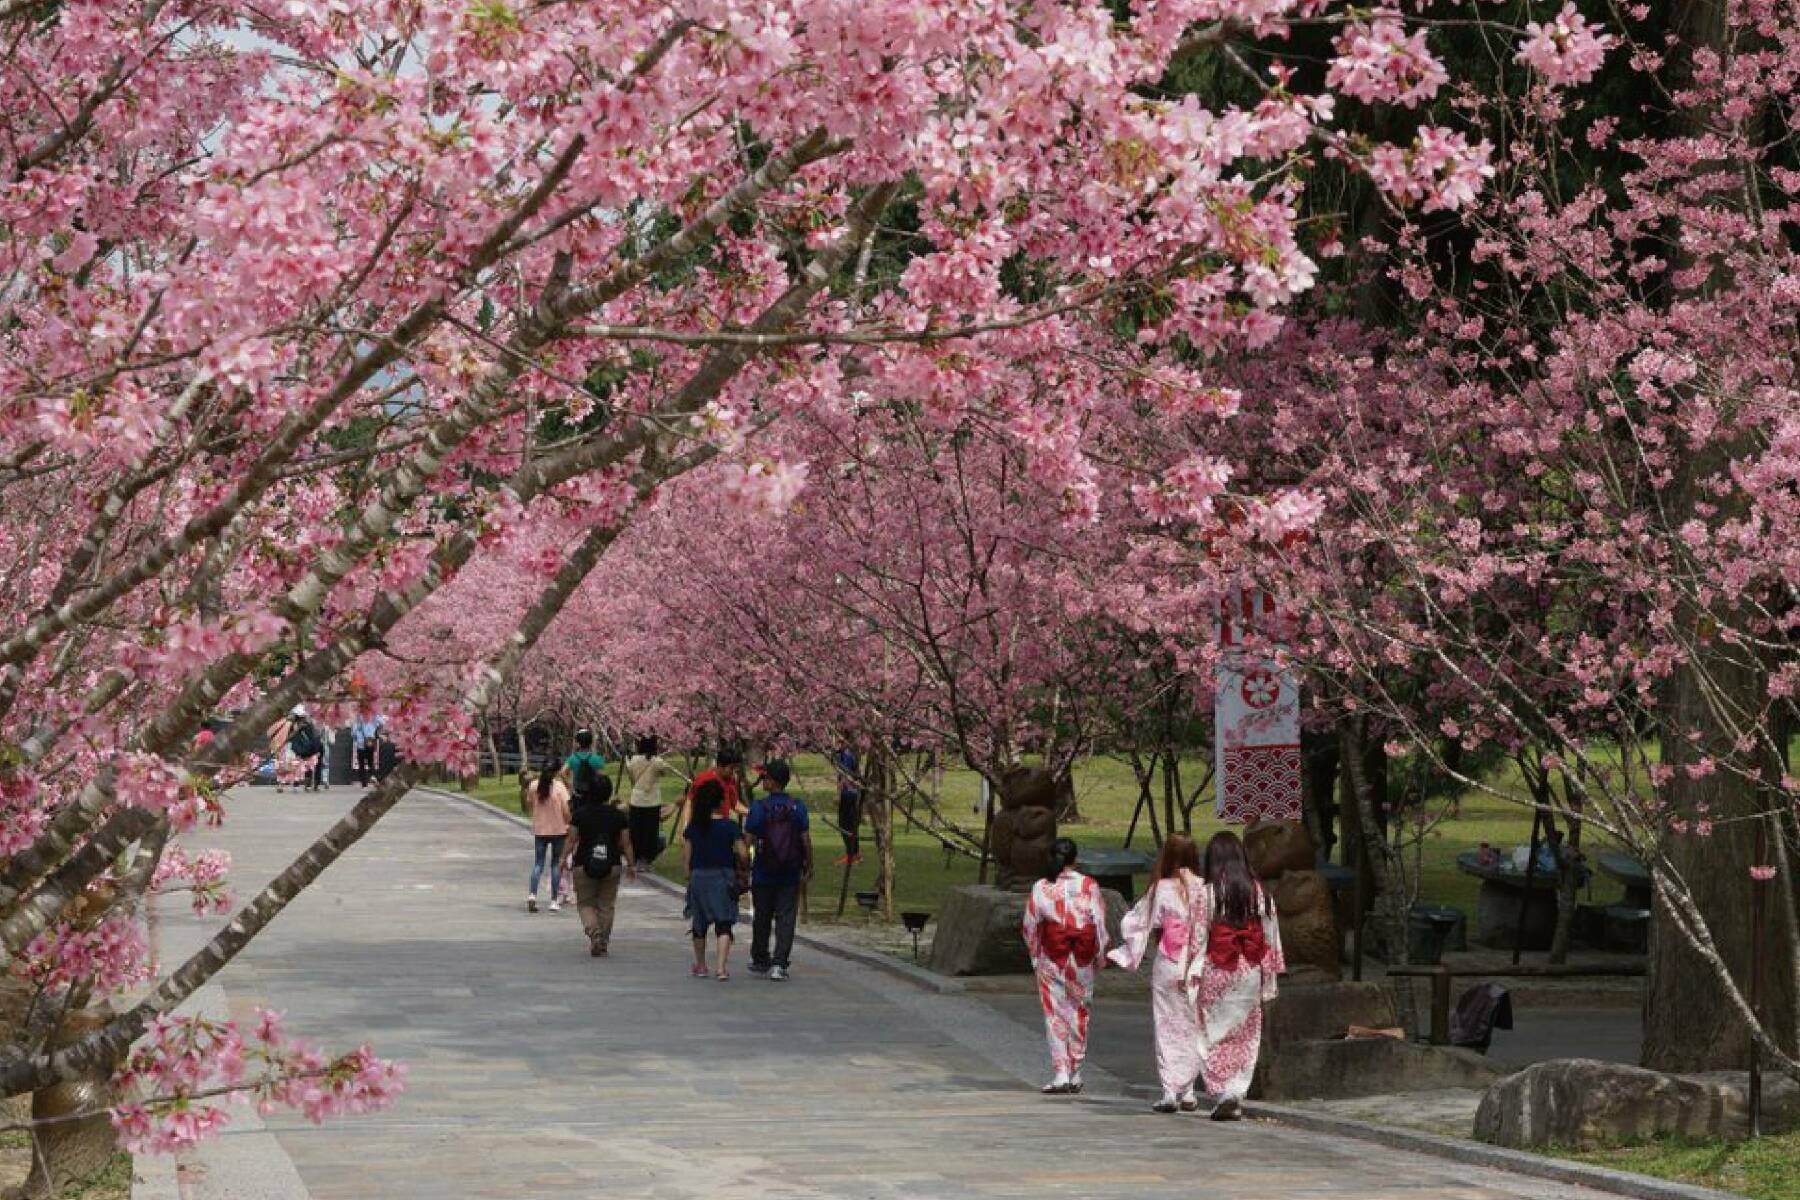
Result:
778,975
556,906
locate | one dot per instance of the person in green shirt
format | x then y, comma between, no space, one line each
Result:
585,762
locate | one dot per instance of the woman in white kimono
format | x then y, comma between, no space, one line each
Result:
1171,914
1065,932
1234,974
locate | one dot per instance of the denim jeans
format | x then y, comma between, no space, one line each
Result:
555,846
776,907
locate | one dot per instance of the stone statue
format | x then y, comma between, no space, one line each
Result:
1282,856
1025,826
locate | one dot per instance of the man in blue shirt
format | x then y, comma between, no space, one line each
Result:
365,738
784,859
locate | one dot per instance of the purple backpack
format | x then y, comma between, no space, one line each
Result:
780,849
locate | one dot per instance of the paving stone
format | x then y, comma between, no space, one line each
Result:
536,1071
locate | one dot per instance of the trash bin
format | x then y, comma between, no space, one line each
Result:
1429,928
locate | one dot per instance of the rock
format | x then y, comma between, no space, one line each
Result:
1309,932
1025,827
1582,1103
1323,1011
978,931
1335,1070
1274,847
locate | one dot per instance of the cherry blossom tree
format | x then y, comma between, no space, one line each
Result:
308,308
1548,438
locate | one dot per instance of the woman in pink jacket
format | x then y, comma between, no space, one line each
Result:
549,803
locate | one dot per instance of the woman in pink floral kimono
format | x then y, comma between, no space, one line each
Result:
1234,974
1166,916
1065,932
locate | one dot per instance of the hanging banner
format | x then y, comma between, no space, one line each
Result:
1256,713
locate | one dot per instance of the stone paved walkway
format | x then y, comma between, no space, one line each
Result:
539,1072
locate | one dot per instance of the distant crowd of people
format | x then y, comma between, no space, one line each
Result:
729,849
299,746
1215,948
1205,924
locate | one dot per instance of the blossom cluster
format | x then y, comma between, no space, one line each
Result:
204,874
183,1062
109,956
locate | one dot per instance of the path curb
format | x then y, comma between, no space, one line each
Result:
1481,1154
1458,1150
917,976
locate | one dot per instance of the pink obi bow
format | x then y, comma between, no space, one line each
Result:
1227,945
1174,939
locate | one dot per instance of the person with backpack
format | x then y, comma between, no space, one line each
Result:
548,799
1170,916
1065,933
585,759
308,745
781,827
598,858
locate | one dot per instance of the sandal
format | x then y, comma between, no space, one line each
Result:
1227,1110
697,972
722,976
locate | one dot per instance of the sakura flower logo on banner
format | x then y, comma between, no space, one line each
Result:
1260,687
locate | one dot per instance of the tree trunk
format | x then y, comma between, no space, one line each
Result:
1380,856
493,749
1688,1023
1318,812
1171,785
881,824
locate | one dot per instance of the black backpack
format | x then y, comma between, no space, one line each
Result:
305,741
600,859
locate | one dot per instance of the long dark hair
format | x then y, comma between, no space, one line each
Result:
646,746
545,781
1234,887
1178,852
707,799
1063,853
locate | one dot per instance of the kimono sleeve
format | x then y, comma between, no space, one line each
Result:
1029,928
1134,932
1274,963
1200,911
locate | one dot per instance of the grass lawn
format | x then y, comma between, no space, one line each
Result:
1765,1169
1107,794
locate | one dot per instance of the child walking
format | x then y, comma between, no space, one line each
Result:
1065,932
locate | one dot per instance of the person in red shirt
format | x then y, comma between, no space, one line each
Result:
726,771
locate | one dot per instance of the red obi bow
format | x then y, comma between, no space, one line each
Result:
1060,944
1226,945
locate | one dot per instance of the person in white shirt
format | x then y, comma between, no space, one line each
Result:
644,809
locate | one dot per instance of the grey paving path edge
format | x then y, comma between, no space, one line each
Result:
1106,1087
